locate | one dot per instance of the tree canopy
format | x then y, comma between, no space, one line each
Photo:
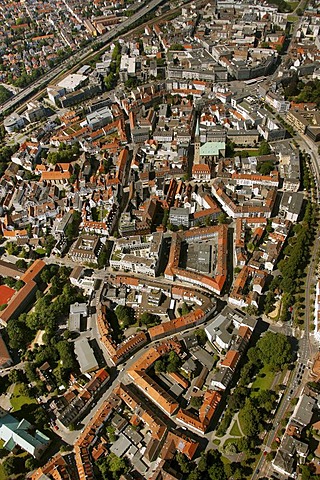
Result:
264,148
112,467
265,167
274,350
5,94
125,315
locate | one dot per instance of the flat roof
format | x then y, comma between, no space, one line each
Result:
71,82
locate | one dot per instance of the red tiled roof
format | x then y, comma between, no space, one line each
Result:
5,294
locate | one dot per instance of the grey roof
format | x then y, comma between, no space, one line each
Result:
292,445
133,436
203,356
120,446
74,322
85,355
304,410
223,376
179,211
80,308
189,365
176,390
218,327
284,461
292,202
118,422
221,325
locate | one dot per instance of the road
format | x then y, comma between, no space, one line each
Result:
295,384
305,347
118,374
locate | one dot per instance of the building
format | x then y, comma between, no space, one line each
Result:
221,330
72,82
218,235
86,249
291,205
82,402
138,372
201,172
179,216
290,453
18,433
85,355
277,102
20,300
99,118
201,422
8,269
303,412
78,312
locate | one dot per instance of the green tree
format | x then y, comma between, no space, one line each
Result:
252,310
125,315
185,309
147,318
264,148
4,94
250,419
21,263
176,47
222,218
66,354
12,465
173,362
112,467
159,366
72,229
103,257
14,376
265,167
216,469
276,350
30,464
237,399
49,243
307,473
184,464
196,402
19,334
201,336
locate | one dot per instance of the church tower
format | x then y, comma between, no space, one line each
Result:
196,158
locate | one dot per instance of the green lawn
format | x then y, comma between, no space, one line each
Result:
18,400
247,153
262,383
3,475
235,430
